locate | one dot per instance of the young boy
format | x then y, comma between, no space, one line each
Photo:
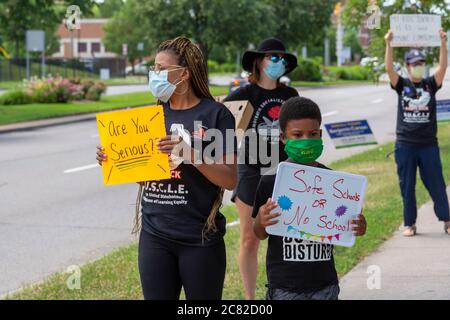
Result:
305,277
417,144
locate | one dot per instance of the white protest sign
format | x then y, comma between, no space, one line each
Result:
317,204
415,30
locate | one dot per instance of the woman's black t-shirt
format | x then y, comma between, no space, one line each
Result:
295,265
177,208
264,123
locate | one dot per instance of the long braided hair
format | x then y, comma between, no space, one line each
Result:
191,57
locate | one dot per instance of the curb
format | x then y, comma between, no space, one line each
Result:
56,121
338,86
31,125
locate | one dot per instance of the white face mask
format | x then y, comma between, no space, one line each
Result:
417,72
159,85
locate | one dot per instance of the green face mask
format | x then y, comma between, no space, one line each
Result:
304,150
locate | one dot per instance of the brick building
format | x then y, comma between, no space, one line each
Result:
87,41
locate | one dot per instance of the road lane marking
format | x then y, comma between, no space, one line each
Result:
89,166
329,114
376,101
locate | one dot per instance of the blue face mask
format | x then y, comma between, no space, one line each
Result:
159,85
275,70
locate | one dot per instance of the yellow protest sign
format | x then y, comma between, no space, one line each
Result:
129,138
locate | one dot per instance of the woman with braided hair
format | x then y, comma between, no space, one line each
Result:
181,229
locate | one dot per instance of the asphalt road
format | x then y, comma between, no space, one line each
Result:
55,211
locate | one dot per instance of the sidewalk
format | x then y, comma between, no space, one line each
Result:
414,268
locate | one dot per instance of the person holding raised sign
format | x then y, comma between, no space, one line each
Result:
261,147
181,242
417,143
297,269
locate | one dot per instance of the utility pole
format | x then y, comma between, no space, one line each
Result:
339,34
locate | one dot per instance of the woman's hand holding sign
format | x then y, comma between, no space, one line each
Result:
177,149
167,144
100,155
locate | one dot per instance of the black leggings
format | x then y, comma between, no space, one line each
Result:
165,267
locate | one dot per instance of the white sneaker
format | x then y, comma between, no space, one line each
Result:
410,231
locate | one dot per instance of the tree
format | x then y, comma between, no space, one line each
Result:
209,23
126,27
355,13
226,24
16,17
300,22
351,40
108,8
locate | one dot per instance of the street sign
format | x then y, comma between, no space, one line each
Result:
35,40
350,134
104,74
443,110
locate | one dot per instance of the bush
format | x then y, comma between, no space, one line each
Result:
15,96
307,70
55,89
214,67
348,73
95,90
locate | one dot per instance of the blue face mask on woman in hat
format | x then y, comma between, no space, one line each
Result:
276,67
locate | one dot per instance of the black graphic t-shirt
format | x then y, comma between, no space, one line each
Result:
264,122
292,264
416,114
177,208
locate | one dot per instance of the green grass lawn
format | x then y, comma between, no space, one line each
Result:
115,276
36,111
7,85
329,83
141,79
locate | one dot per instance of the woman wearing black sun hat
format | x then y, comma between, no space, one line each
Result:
266,65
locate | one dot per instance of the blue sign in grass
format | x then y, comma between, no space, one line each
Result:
443,110
350,134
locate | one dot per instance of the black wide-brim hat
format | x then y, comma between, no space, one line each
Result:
271,45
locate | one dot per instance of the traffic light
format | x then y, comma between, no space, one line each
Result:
337,9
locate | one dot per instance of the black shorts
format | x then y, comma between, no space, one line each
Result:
328,293
248,179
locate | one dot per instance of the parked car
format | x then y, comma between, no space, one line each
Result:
374,63
242,80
